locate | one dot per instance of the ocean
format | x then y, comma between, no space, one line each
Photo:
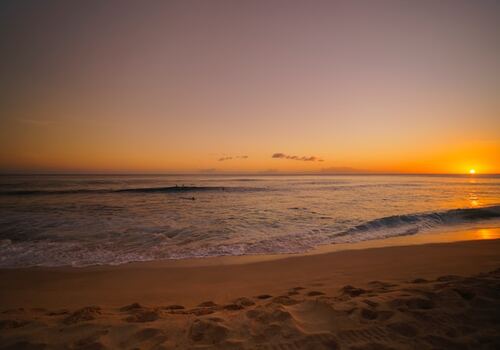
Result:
81,220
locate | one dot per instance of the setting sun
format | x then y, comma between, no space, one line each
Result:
165,162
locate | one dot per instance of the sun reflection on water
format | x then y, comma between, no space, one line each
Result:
473,200
485,233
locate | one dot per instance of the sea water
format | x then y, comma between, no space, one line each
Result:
79,220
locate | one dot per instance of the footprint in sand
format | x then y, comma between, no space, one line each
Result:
173,307
264,296
131,307
204,308
315,293
87,313
319,316
419,281
239,304
284,300
232,307
143,315
351,291
207,304
58,312
139,313
267,315
147,333
368,314
207,331
244,301
201,311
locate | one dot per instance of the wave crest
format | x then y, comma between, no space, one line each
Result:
398,225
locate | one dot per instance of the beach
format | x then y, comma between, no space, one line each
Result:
425,296
269,175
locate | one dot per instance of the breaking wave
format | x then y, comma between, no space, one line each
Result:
158,246
413,223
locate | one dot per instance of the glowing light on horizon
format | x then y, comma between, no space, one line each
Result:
472,171
487,233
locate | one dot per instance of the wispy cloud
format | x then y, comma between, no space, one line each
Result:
303,158
222,159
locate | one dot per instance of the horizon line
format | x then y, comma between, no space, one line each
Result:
230,173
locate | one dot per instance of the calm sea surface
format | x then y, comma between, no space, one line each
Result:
85,220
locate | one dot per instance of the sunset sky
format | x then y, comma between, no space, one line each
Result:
250,86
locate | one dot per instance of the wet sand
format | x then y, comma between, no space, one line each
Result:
438,295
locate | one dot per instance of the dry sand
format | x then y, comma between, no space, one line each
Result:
432,296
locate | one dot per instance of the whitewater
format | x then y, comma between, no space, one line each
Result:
81,220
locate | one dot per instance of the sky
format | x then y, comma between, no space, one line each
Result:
250,86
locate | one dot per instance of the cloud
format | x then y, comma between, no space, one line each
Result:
279,155
303,158
222,159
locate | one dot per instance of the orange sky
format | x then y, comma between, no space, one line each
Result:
189,86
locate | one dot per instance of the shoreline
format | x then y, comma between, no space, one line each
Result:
455,233
433,295
224,277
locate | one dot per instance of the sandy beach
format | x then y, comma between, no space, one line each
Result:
425,296
269,175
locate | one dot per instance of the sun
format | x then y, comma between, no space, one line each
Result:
472,171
